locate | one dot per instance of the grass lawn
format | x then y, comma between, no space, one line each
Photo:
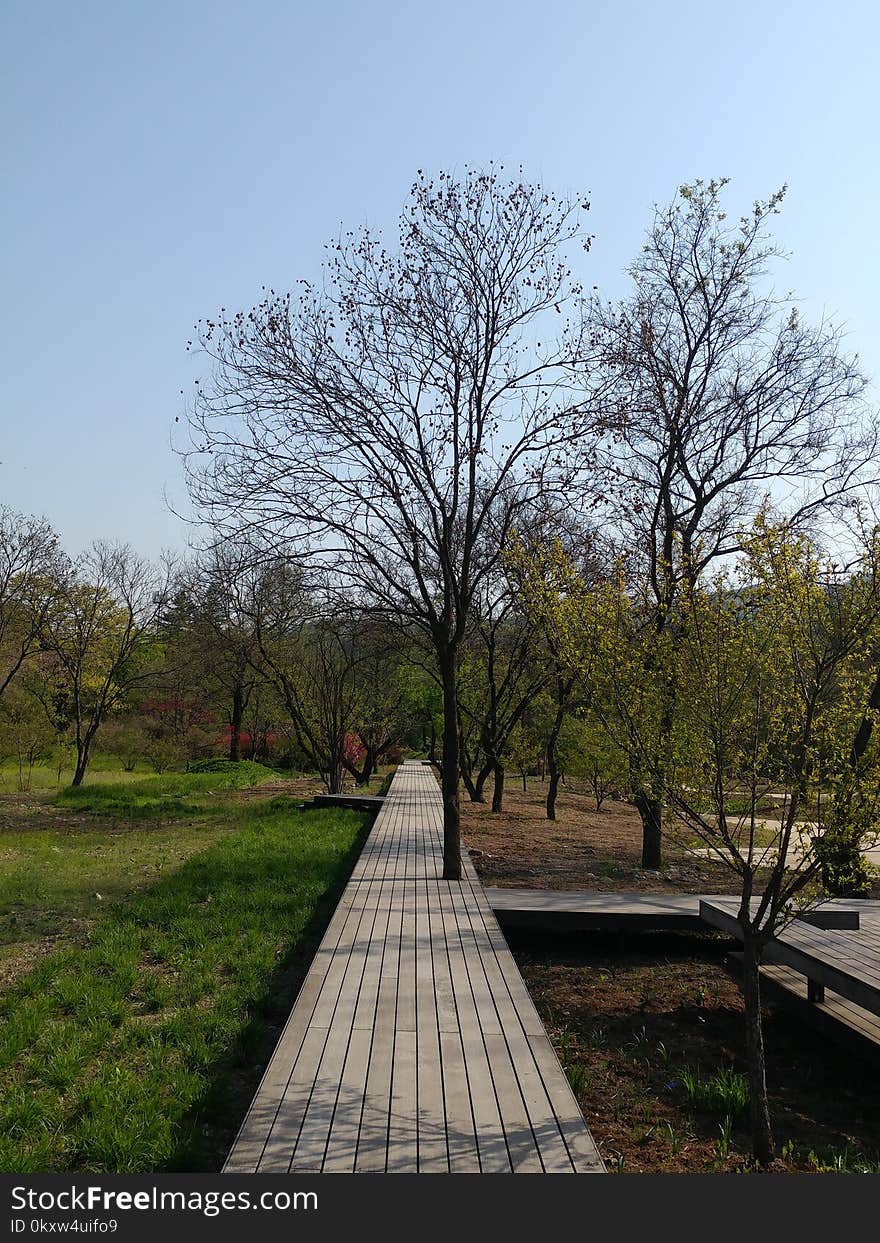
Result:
135,1047
60,867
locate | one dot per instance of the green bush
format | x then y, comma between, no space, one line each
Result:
240,772
846,873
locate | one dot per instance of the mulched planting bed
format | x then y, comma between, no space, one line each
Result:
652,1039
652,1034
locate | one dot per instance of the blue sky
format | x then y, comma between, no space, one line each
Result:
165,159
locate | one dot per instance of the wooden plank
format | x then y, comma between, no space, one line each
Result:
403,1144
484,1103
433,1152
372,1149
342,1141
281,1140
461,1138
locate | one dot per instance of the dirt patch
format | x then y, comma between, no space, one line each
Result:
35,813
22,956
294,787
633,1024
582,849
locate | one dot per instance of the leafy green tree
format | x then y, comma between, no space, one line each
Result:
26,735
723,392
773,667
100,639
588,753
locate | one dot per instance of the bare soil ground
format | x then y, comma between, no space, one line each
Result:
293,787
582,849
629,1022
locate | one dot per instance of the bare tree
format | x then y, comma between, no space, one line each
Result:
724,395
379,426
30,560
509,670
216,590
379,722
311,655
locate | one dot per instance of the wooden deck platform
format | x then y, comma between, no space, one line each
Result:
845,961
829,976
357,802
413,1045
568,910
835,1018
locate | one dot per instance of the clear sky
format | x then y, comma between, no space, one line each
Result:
164,159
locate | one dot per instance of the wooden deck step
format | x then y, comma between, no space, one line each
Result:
563,910
835,1018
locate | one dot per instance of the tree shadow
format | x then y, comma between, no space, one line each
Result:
206,1131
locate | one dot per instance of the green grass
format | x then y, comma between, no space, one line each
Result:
578,1077
122,1056
166,795
843,1161
53,879
44,777
105,768
725,1093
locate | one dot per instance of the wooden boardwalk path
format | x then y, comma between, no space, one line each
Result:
413,1045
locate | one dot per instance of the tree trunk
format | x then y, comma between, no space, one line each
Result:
480,786
83,748
465,768
449,771
553,766
235,724
336,771
563,690
552,791
467,782
498,787
369,767
762,1135
866,726
651,811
